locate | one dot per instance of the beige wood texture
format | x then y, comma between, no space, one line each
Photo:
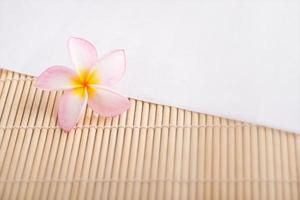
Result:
150,152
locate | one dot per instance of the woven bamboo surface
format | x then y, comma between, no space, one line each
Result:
151,152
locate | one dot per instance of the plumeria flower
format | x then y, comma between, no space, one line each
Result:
88,84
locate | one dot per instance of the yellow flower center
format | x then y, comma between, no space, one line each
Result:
84,81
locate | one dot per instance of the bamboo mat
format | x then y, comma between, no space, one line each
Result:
151,152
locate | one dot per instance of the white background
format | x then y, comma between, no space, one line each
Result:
235,59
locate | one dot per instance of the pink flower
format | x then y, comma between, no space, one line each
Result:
89,84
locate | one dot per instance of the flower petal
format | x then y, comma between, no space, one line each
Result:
55,78
71,106
107,102
83,53
112,67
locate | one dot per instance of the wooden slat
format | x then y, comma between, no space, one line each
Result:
150,152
